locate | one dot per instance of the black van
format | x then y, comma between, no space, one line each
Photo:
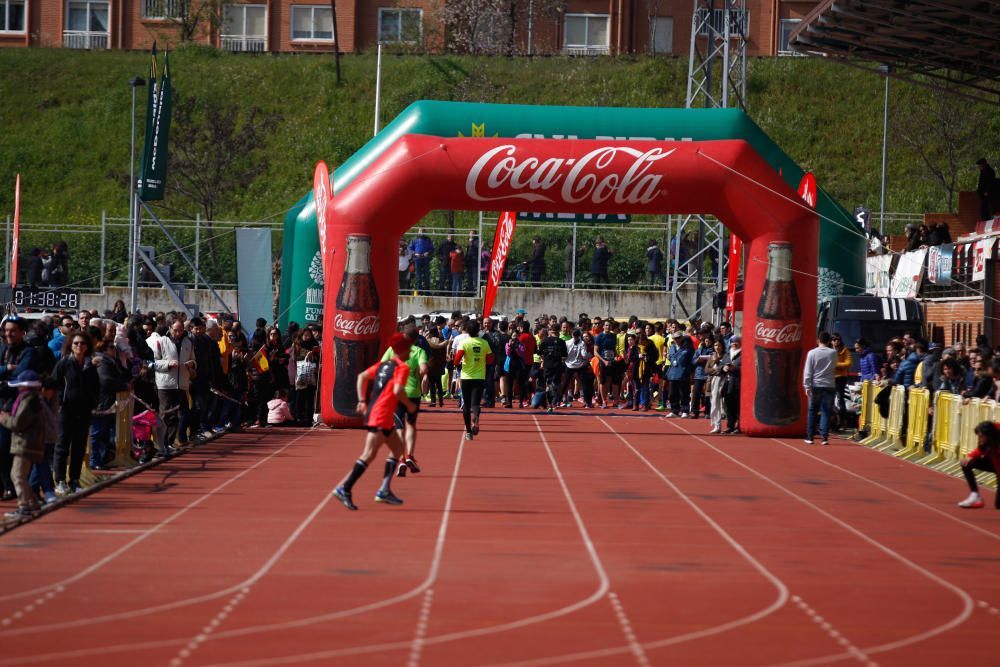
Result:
878,319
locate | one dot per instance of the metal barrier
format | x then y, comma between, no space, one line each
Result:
878,422
919,401
895,423
945,433
867,410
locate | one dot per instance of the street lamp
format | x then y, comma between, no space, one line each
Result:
134,82
884,70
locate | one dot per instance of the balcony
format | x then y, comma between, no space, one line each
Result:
739,22
79,39
162,9
243,44
585,50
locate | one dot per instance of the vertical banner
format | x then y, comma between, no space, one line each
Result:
17,228
877,271
983,251
909,273
498,260
254,291
322,193
939,261
735,258
153,166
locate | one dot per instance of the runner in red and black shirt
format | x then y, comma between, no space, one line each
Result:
380,389
986,456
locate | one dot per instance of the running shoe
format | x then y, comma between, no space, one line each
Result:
974,501
550,410
716,429
411,463
62,489
808,441
20,514
670,415
401,469
387,497
824,441
345,497
468,436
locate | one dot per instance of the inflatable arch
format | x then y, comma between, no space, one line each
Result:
416,174
842,250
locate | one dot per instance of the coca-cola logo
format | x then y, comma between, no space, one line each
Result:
593,178
361,327
779,332
506,233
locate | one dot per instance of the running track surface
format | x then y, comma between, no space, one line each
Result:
592,538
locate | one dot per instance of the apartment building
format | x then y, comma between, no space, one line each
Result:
570,27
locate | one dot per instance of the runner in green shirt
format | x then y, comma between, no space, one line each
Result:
474,355
416,386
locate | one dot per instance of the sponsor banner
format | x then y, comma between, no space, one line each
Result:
498,259
323,193
807,189
939,262
987,226
573,217
17,229
735,258
983,251
909,272
153,166
254,281
877,278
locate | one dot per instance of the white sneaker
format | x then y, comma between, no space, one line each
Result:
974,501
670,415
684,415
808,441
716,429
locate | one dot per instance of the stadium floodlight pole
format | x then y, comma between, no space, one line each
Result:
884,70
134,82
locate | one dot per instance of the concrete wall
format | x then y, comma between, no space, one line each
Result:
158,299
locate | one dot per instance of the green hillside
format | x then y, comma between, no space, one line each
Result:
64,118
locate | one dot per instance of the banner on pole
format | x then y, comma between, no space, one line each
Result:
735,257
498,259
939,261
322,193
877,275
153,166
17,227
255,284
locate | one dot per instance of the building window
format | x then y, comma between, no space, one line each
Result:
244,28
313,23
661,35
785,35
586,34
11,15
400,26
162,9
86,25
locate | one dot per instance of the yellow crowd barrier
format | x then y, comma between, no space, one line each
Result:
950,431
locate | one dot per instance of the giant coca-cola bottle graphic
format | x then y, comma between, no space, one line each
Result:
355,324
778,341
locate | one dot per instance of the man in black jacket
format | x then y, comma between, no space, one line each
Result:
208,362
988,189
537,261
16,356
444,260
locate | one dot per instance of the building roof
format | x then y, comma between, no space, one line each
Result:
950,43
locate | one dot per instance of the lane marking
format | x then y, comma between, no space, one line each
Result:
832,632
967,604
421,631
936,510
60,586
634,645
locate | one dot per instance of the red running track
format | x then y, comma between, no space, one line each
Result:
594,538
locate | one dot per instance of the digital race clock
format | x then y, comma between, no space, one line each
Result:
48,299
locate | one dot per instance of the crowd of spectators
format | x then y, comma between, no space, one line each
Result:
923,236
687,369
195,376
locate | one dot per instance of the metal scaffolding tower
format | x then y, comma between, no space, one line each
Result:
717,78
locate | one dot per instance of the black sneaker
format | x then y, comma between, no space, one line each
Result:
475,430
344,497
411,463
387,497
401,469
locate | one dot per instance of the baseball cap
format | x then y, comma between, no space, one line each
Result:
520,311
934,346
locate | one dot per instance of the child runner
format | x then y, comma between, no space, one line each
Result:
416,386
986,456
380,388
474,355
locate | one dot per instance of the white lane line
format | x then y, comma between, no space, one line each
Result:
60,586
418,636
633,643
252,630
832,632
710,631
911,499
967,604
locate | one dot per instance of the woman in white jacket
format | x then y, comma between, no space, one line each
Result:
174,364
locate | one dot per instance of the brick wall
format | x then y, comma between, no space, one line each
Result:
948,321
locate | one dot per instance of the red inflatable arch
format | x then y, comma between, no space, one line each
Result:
727,179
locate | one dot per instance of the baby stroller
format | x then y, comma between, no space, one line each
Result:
143,428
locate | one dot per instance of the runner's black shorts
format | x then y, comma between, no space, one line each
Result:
384,431
402,416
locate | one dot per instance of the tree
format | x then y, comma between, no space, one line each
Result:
190,17
490,27
215,155
945,132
